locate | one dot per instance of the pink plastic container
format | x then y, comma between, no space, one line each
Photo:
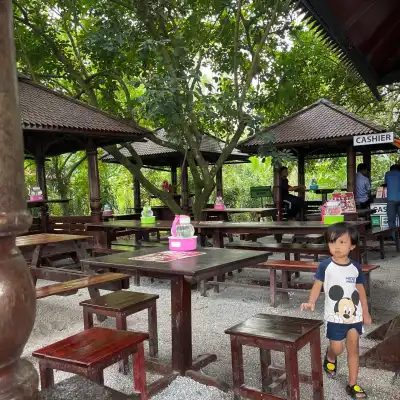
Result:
182,244
219,206
36,198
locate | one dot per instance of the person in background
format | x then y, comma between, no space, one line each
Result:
295,203
363,187
392,182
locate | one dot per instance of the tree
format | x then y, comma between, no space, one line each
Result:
165,48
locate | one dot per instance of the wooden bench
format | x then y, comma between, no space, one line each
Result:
301,266
133,244
71,287
380,233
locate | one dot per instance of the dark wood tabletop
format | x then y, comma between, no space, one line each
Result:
241,210
128,224
211,261
47,238
282,328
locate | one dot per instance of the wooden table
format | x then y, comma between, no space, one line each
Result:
106,232
43,244
218,229
182,273
40,203
224,214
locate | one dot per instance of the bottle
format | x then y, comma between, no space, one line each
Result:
314,184
184,229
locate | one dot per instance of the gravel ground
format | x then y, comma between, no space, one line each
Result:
59,317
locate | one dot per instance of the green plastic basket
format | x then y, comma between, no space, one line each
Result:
333,219
148,220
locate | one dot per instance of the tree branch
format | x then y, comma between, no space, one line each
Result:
74,167
235,50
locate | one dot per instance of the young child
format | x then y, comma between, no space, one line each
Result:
346,306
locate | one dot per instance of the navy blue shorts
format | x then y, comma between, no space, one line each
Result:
336,331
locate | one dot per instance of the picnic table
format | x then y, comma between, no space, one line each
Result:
219,228
40,245
226,212
106,232
182,269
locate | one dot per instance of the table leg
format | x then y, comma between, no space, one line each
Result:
80,250
292,373
382,246
272,286
285,285
316,365
181,321
217,239
121,326
36,257
265,362
237,365
397,240
87,319
46,376
139,372
153,331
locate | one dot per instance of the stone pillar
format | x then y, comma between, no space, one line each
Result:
351,169
185,187
94,183
18,378
219,183
136,195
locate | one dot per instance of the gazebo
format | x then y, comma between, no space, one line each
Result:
365,33
154,155
320,130
55,124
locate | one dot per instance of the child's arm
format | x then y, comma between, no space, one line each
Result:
314,294
364,304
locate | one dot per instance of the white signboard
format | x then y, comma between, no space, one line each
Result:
379,207
376,138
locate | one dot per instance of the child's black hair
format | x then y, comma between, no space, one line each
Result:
335,231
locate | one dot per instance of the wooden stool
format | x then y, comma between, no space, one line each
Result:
88,353
120,305
286,334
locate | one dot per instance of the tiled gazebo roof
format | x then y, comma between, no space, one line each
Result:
65,122
152,154
319,123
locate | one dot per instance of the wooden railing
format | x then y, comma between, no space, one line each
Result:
69,225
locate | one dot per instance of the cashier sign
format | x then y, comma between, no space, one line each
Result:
376,138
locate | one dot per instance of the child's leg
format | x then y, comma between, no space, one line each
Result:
352,344
335,349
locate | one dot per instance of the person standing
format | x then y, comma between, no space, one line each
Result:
363,187
392,182
295,203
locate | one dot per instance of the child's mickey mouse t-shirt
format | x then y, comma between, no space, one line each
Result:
342,300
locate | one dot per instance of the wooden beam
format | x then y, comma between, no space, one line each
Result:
18,378
94,182
277,193
174,179
219,183
367,160
351,169
137,202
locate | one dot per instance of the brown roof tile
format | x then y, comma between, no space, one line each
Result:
45,109
209,144
319,121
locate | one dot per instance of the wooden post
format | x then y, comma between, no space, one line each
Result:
174,179
94,182
219,183
18,378
351,169
277,193
41,182
367,160
301,180
136,195
185,187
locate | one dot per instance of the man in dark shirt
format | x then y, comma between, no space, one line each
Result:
392,181
295,203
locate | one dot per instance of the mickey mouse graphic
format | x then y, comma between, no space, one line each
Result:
345,308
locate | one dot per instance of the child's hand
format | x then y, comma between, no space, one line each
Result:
307,306
367,318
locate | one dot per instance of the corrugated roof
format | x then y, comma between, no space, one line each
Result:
47,110
319,121
209,145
